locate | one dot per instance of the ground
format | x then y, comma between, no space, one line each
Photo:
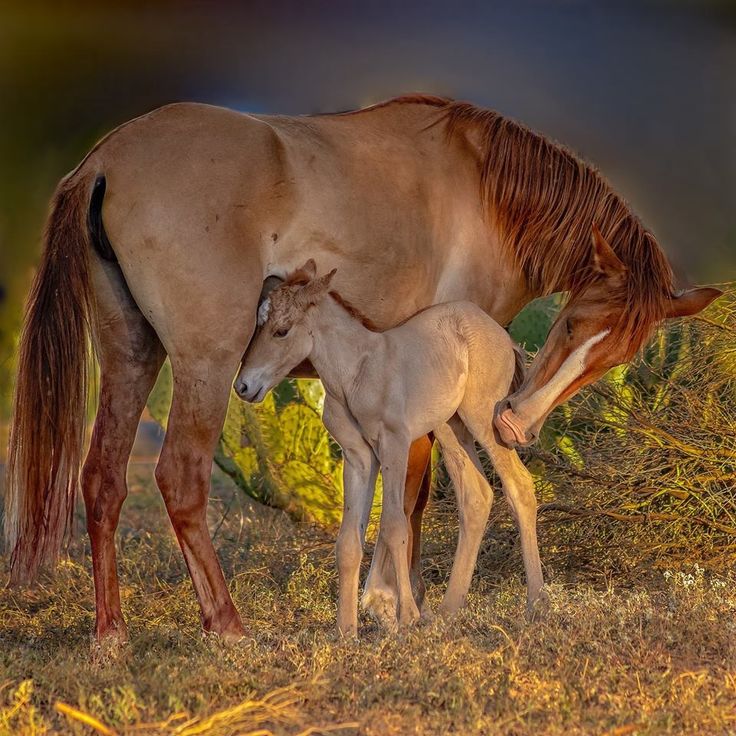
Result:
624,649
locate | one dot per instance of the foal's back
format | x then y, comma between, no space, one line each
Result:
433,362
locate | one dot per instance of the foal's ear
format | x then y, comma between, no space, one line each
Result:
605,261
322,284
309,268
692,301
312,292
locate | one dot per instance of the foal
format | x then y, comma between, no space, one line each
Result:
441,371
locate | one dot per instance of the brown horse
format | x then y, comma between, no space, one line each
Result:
159,242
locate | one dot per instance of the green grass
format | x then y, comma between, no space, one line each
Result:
624,650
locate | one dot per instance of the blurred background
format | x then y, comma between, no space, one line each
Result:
645,90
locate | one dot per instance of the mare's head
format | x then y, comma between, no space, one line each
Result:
283,337
606,320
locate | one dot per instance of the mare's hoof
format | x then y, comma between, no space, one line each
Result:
110,645
229,634
538,609
229,637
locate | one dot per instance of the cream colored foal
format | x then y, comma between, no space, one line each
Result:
441,371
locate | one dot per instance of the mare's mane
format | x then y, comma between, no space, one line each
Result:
543,201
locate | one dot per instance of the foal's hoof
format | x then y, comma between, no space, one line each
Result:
408,618
382,609
538,609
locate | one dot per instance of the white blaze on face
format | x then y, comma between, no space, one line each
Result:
572,368
263,311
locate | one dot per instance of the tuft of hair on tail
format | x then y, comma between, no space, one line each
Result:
49,408
519,369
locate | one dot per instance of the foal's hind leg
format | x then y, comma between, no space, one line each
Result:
201,391
518,487
130,356
474,499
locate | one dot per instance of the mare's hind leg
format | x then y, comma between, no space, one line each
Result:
416,495
130,356
474,499
380,597
199,403
518,487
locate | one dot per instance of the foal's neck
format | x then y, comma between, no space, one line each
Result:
340,344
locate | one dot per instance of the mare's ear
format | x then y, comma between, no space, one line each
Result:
692,301
312,292
605,261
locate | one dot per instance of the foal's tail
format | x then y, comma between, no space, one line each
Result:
47,432
519,369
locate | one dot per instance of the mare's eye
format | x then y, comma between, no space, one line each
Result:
568,327
281,333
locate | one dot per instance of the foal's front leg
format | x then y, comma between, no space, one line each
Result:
394,455
360,468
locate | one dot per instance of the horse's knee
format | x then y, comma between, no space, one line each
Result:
348,550
478,509
395,530
184,487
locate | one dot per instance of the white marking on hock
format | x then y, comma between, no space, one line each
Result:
572,367
263,311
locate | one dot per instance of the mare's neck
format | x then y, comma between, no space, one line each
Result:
341,343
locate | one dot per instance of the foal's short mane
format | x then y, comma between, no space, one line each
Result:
543,201
354,312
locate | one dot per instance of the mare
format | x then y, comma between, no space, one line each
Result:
160,241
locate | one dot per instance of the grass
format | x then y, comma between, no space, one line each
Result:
624,650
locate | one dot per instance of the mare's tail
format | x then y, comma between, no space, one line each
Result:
47,431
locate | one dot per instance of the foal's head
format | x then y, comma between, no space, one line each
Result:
598,329
283,338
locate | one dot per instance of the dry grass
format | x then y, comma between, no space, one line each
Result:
622,652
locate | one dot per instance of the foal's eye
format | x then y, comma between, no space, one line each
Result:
568,327
281,333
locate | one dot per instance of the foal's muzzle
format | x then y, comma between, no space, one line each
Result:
252,392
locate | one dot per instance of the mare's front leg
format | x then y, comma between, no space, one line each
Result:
360,468
394,454
201,390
